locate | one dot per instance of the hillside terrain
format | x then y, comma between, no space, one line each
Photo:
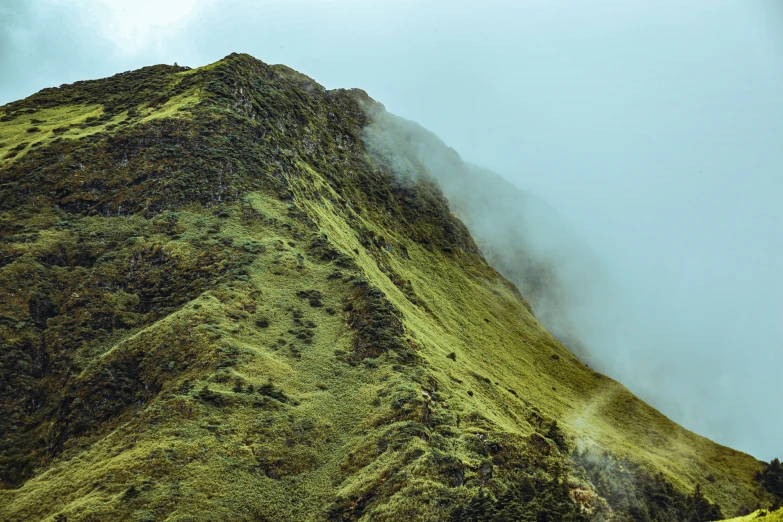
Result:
761,515
519,234
225,300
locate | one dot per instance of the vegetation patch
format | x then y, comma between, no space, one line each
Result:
640,495
771,477
374,320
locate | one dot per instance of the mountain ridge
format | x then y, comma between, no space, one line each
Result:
226,307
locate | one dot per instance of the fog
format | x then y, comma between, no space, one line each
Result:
652,130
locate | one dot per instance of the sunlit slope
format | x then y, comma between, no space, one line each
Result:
225,309
761,515
598,409
519,234
77,111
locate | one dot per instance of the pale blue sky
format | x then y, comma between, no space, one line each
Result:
654,126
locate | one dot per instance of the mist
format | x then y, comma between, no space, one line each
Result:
644,136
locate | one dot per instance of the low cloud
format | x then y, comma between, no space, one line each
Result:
576,295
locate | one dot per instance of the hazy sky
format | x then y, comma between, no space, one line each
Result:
654,126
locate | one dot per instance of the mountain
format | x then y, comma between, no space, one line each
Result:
224,299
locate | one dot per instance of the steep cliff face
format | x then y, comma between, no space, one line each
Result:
222,304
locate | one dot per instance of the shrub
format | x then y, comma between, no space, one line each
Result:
771,477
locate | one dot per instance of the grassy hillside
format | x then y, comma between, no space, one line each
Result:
220,307
519,234
761,515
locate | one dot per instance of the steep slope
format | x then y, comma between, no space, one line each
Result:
519,234
220,306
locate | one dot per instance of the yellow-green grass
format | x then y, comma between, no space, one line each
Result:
477,315
175,107
762,515
177,430
22,132
26,130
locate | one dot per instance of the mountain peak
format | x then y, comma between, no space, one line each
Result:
223,300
